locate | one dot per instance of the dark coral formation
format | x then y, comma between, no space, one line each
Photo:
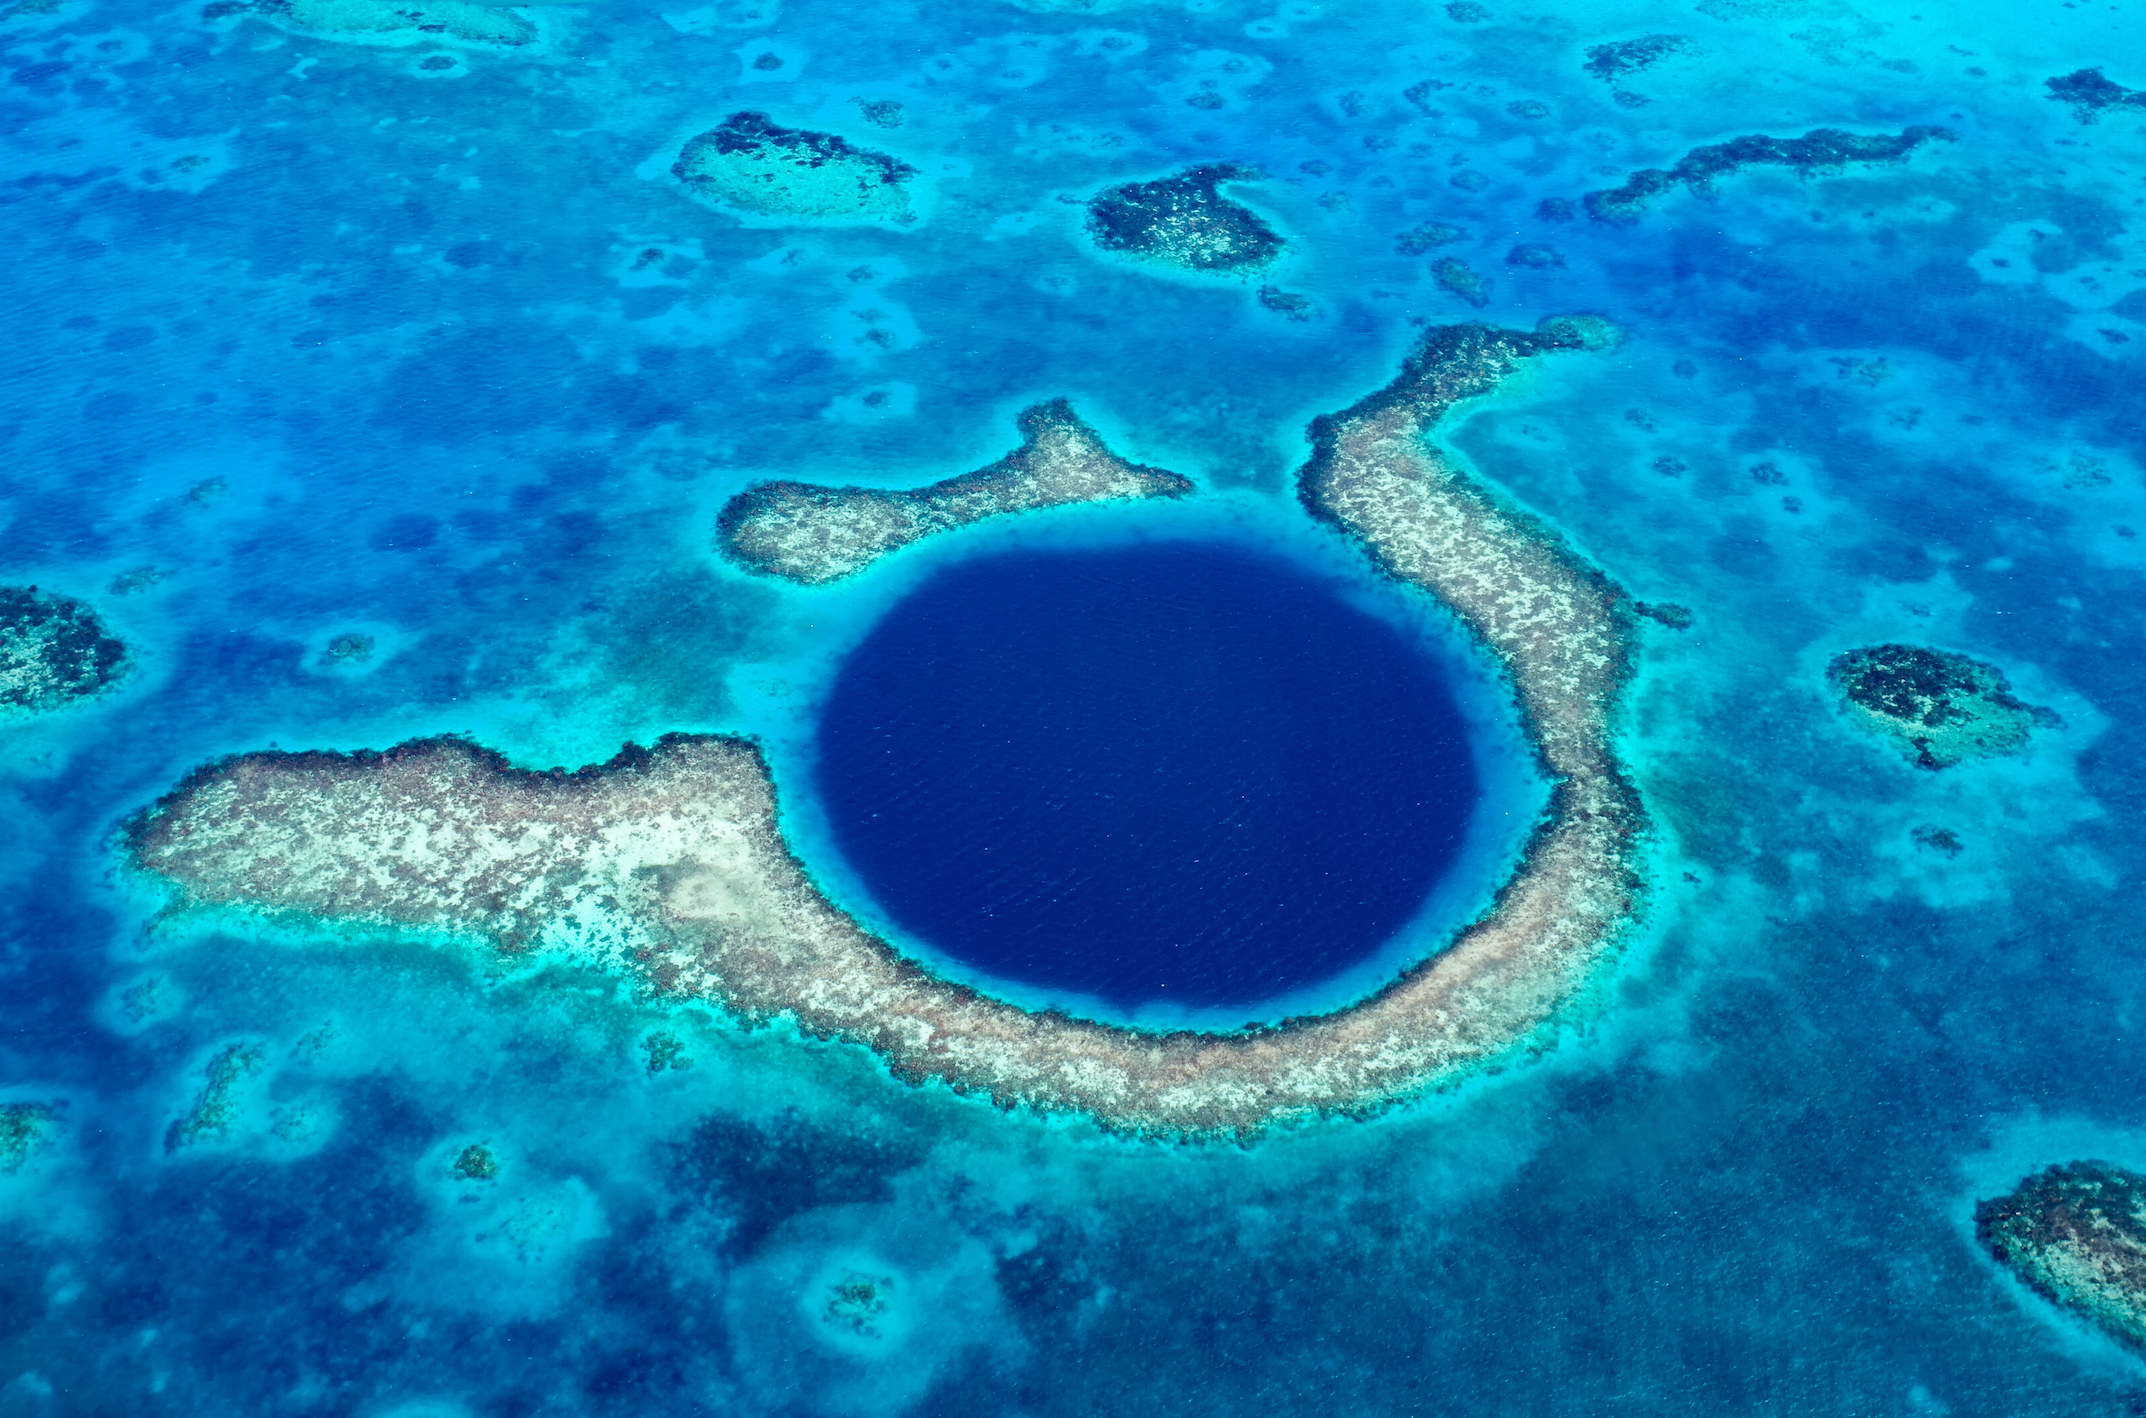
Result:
2091,95
1288,304
665,1051
754,165
475,1163
881,113
1185,221
26,1129
1428,237
1535,255
1622,58
1820,150
215,1110
814,535
2076,1234
1933,838
1459,278
53,651
1941,708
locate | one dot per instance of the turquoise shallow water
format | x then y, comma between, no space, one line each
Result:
338,345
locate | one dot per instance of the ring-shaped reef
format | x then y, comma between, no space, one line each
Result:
668,861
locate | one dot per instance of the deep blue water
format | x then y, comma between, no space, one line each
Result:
1173,772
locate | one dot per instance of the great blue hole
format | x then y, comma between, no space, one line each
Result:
1187,774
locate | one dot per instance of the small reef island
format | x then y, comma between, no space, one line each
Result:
387,21
2091,94
1186,222
1941,709
751,165
2076,1235
667,862
53,651
813,535
1819,151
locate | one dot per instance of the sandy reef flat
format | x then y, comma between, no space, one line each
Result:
668,863
54,650
2076,1234
1939,708
751,165
812,534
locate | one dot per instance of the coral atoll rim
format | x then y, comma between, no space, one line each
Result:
668,862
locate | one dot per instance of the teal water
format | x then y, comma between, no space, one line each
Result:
337,345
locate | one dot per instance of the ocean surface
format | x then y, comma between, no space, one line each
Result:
368,397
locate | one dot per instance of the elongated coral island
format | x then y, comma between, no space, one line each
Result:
2076,1234
388,21
814,535
1820,150
2091,95
753,166
668,862
1940,708
53,651
1185,221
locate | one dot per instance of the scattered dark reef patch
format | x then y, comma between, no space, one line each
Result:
2076,1235
1458,278
26,1129
762,1173
813,535
1417,241
1288,304
1622,58
53,650
1940,708
2090,95
1185,221
1819,151
394,20
753,165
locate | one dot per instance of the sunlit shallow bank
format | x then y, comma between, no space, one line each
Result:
670,861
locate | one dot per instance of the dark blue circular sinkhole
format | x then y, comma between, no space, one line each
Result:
1179,773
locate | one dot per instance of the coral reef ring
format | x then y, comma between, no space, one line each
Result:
668,862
